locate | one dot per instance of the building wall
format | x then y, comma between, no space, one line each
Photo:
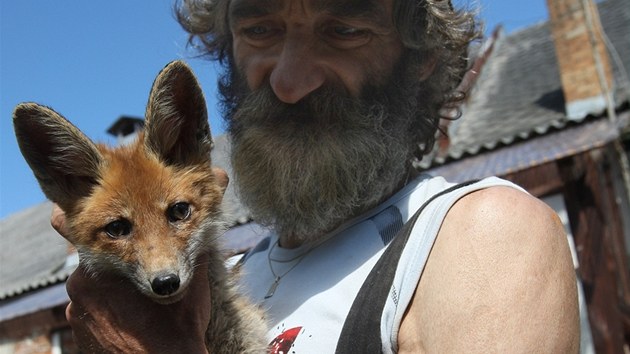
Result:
52,342
42,332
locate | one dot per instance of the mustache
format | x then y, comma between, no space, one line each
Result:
328,109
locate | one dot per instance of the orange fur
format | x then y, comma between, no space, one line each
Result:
135,185
148,210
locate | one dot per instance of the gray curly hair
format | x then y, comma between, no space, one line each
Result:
429,30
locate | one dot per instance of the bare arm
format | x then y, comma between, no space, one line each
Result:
108,315
499,279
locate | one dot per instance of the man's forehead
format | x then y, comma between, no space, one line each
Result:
344,8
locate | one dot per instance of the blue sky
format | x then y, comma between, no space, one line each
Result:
93,61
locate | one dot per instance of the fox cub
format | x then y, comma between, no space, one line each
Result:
149,209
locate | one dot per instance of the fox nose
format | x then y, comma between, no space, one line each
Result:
165,284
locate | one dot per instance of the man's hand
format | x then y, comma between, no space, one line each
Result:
109,315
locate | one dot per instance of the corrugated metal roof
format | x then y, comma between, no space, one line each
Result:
37,300
533,152
32,254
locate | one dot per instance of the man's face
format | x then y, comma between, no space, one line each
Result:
320,108
298,46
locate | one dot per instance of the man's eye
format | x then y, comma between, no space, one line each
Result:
257,32
346,37
348,32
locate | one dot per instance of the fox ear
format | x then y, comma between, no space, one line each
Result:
177,126
64,161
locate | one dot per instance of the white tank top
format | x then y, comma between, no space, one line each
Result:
306,308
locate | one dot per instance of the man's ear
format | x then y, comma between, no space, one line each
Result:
64,161
177,128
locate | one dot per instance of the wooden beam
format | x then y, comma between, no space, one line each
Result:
588,198
42,321
539,180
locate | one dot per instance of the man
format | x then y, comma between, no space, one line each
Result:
328,103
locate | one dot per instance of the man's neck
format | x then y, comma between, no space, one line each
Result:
291,241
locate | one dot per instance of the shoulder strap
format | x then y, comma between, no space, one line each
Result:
361,331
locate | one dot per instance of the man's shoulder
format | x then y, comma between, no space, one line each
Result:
503,224
495,210
500,264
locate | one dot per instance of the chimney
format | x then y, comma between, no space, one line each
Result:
585,69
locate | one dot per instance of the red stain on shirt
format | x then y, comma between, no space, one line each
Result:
282,343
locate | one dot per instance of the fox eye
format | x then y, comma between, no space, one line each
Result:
178,211
118,228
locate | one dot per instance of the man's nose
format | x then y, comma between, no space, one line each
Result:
297,71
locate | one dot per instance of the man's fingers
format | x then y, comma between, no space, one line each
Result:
80,321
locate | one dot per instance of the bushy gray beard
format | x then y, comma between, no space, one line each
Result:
305,168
